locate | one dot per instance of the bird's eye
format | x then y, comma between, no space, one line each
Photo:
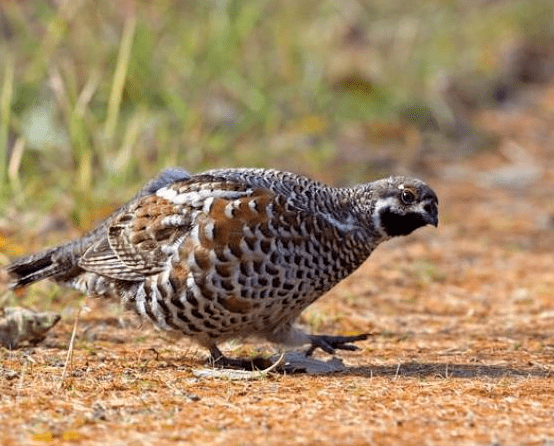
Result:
407,196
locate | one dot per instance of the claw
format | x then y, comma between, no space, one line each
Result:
220,361
331,343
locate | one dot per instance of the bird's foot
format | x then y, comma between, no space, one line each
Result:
220,361
331,343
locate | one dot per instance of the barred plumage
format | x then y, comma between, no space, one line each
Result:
234,252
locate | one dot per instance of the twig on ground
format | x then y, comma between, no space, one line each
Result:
69,356
239,375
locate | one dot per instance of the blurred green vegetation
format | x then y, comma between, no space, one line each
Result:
96,97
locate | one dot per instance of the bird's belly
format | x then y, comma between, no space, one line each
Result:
242,300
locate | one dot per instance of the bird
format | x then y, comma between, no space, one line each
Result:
234,253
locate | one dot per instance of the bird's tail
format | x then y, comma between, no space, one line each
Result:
29,269
56,263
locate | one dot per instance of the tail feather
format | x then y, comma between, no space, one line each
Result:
60,263
32,268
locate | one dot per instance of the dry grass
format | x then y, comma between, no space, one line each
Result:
463,350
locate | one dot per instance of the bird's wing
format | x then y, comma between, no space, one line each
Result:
139,240
142,237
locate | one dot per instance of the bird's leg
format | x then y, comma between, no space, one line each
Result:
331,343
220,361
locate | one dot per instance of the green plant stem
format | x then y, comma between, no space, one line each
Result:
119,77
5,109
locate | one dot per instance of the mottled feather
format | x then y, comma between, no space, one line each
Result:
234,252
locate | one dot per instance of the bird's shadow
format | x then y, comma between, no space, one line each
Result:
294,362
446,370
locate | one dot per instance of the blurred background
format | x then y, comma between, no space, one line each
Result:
97,97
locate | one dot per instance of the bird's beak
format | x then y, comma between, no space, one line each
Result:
432,214
434,220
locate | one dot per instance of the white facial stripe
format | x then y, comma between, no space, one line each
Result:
384,202
379,205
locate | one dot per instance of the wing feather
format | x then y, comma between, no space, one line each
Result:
141,238
139,241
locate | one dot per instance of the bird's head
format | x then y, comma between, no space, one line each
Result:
400,205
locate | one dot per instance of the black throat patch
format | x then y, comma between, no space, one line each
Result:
400,224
